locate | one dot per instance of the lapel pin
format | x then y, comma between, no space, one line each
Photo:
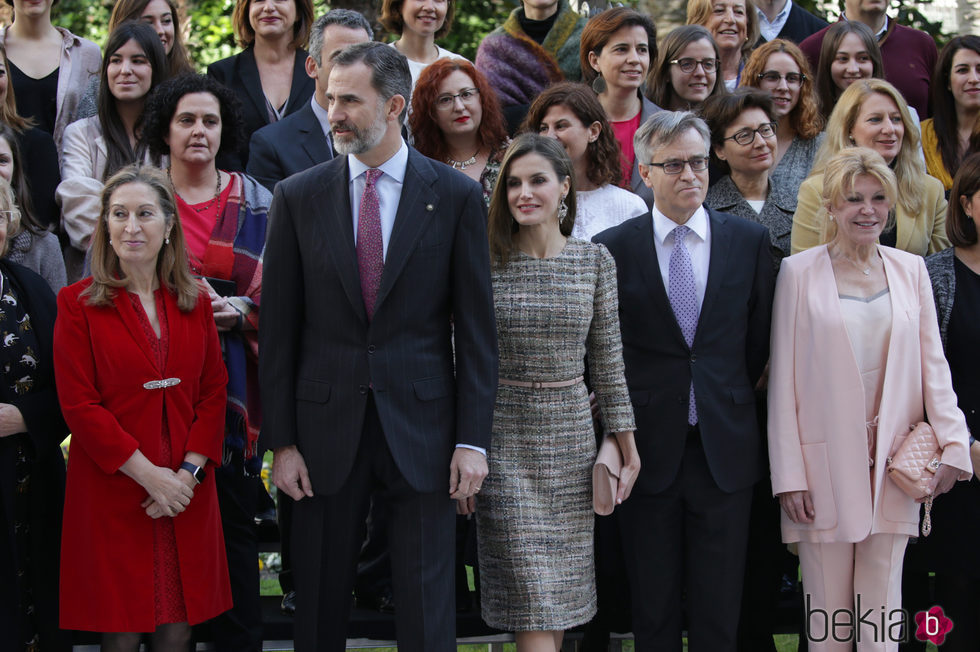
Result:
429,207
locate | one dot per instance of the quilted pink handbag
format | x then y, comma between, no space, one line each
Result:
913,466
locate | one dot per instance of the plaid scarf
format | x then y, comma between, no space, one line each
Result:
234,252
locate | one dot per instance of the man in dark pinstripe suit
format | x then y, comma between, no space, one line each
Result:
364,395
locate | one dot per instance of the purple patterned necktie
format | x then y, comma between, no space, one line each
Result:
683,295
370,249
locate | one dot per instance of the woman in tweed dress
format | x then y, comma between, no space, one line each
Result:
555,301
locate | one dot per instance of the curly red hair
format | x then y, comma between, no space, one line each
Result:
492,133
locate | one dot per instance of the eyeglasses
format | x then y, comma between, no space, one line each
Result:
688,64
698,164
746,136
447,102
11,215
773,77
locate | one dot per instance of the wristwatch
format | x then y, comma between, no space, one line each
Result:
194,470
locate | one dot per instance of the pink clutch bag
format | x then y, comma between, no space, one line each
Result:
913,466
605,476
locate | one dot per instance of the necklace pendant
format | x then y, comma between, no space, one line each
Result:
867,271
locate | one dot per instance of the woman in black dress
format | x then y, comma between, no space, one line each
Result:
32,467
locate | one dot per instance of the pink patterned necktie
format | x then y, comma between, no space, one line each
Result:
370,249
683,296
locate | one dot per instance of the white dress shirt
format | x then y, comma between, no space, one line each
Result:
389,187
698,243
768,30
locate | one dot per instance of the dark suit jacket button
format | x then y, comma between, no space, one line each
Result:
371,349
362,389
694,357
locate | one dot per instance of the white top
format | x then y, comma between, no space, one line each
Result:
416,67
756,204
603,208
698,243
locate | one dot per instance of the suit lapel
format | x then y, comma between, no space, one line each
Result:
415,210
249,73
300,80
337,231
312,138
646,258
717,265
127,313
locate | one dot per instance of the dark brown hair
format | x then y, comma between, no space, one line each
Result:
660,91
720,111
172,266
805,118
501,225
391,17
827,91
600,29
944,106
245,35
960,227
178,59
603,154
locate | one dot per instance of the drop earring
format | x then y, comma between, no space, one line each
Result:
562,211
599,84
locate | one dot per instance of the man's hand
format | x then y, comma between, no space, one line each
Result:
289,473
466,473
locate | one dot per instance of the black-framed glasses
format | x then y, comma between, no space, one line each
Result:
697,163
688,64
773,77
447,101
746,136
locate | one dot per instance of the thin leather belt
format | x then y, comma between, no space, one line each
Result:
539,384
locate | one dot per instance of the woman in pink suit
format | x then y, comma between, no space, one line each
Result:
856,359
142,386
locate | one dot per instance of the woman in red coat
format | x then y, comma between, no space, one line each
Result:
142,387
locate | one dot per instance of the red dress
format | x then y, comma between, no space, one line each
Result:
116,562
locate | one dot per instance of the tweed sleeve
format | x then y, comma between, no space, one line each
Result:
605,349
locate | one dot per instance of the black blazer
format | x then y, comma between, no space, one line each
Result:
240,73
284,148
730,350
319,355
799,24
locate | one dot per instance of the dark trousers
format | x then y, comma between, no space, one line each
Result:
688,540
327,536
240,628
766,560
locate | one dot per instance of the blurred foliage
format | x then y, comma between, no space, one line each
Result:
209,35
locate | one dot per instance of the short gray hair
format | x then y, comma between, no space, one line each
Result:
663,128
390,75
342,17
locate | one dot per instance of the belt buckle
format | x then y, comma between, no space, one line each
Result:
161,384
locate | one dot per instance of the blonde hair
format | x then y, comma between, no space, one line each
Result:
908,167
172,266
699,11
8,203
842,172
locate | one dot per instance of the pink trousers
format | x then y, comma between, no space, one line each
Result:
853,594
